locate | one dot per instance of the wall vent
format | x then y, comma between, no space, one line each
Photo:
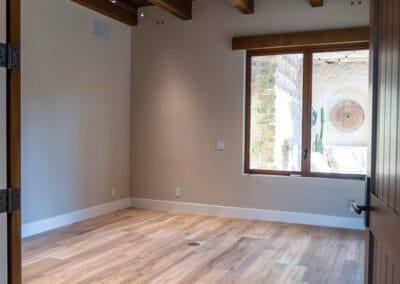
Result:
101,29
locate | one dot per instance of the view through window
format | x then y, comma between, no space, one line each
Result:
340,127
276,112
338,106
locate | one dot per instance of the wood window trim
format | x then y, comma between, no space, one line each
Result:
301,40
300,174
307,104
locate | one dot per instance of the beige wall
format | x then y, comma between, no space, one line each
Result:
188,88
75,105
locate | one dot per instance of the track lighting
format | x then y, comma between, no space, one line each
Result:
127,7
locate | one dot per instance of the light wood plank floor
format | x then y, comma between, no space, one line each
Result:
144,246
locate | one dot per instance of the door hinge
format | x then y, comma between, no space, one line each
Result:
9,56
10,200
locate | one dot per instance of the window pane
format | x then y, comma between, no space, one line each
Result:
276,112
340,121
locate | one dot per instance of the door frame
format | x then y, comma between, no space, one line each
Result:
373,90
14,143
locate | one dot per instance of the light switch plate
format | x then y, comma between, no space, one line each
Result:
220,145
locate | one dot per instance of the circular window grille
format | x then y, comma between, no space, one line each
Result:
347,116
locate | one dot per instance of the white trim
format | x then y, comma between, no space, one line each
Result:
41,226
251,213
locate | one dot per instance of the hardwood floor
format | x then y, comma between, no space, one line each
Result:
144,246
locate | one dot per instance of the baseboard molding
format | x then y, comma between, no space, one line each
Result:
251,213
41,226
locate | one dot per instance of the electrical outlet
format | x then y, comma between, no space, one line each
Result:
350,203
113,192
178,192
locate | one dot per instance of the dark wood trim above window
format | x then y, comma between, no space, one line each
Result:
300,40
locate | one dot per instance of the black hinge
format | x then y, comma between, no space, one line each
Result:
9,56
10,200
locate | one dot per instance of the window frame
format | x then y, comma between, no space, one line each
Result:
306,108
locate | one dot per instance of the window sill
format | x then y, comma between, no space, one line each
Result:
299,174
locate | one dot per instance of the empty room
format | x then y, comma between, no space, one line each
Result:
204,141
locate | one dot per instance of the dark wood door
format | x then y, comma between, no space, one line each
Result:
383,234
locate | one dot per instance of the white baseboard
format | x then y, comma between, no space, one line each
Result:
41,226
251,213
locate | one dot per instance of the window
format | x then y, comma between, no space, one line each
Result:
307,112
276,112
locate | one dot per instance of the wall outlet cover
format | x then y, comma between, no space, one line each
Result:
178,192
351,203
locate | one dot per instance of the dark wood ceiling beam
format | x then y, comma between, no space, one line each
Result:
137,3
111,10
180,8
245,6
317,3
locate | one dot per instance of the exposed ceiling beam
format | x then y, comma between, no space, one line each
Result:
317,3
245,6
107,8
180,8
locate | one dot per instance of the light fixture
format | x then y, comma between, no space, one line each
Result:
353,2
127,7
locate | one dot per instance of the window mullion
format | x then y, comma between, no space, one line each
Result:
306,125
